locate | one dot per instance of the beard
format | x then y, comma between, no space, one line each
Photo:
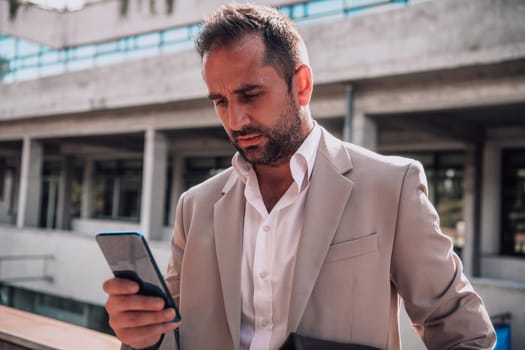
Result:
283,139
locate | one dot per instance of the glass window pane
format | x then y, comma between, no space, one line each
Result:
177,34
316,8
298,11
363,3
75,65
85,51
198,169
118,185
148,40
140,53
114,57
107,47
26,48
513,203
50,57
8,47
125,44
30,61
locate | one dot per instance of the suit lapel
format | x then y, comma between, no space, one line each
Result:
228,218
327,197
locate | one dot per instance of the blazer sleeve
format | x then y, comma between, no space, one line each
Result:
445,310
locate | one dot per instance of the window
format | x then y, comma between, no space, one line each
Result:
50,193
198,169
446,178
117,186
76,191
65,309
513,203
3,167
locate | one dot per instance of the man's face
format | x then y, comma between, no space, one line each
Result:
259,114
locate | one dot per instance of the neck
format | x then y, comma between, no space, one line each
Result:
274,181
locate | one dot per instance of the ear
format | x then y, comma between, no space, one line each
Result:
303,84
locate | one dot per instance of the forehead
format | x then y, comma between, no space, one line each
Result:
242,60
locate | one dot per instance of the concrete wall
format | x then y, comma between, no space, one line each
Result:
425,36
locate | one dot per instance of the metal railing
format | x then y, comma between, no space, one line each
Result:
24,60
43,276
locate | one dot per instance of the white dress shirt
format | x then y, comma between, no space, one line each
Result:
270,241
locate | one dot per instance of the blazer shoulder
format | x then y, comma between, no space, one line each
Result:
345,156
366,158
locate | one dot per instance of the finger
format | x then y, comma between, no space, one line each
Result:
134,302
120,286
134,319
143,337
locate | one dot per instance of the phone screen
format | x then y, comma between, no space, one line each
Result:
128,256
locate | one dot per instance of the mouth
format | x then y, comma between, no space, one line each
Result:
248,140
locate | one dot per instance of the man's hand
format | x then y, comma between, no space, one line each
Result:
138,321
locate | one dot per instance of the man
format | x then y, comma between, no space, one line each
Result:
304,233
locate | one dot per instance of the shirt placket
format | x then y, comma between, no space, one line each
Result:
262,281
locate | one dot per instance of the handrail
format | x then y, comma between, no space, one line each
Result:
47,334
23,60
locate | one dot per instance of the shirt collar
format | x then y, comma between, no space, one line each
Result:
301,163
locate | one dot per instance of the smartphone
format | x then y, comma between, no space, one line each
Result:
129,256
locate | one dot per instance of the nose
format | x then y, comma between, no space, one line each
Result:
238,116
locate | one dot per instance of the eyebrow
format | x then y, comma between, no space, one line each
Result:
242,90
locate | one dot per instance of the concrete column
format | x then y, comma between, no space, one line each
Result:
349,115
364,130
472,210
87,189
30,184
177,185
64,193
115,202
8,190
491,210
153,184
468,212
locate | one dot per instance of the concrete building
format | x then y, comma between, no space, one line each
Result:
104,121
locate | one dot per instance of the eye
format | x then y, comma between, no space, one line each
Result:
251,96
219,102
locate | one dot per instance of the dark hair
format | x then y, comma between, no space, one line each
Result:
231,23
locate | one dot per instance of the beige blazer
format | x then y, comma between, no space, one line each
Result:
371,238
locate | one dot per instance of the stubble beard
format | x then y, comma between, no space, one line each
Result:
283,139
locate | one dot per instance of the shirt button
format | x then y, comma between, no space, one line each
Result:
263,275
266,228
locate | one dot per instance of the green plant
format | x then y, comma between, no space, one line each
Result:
13,7
152,8
124,7
169,6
